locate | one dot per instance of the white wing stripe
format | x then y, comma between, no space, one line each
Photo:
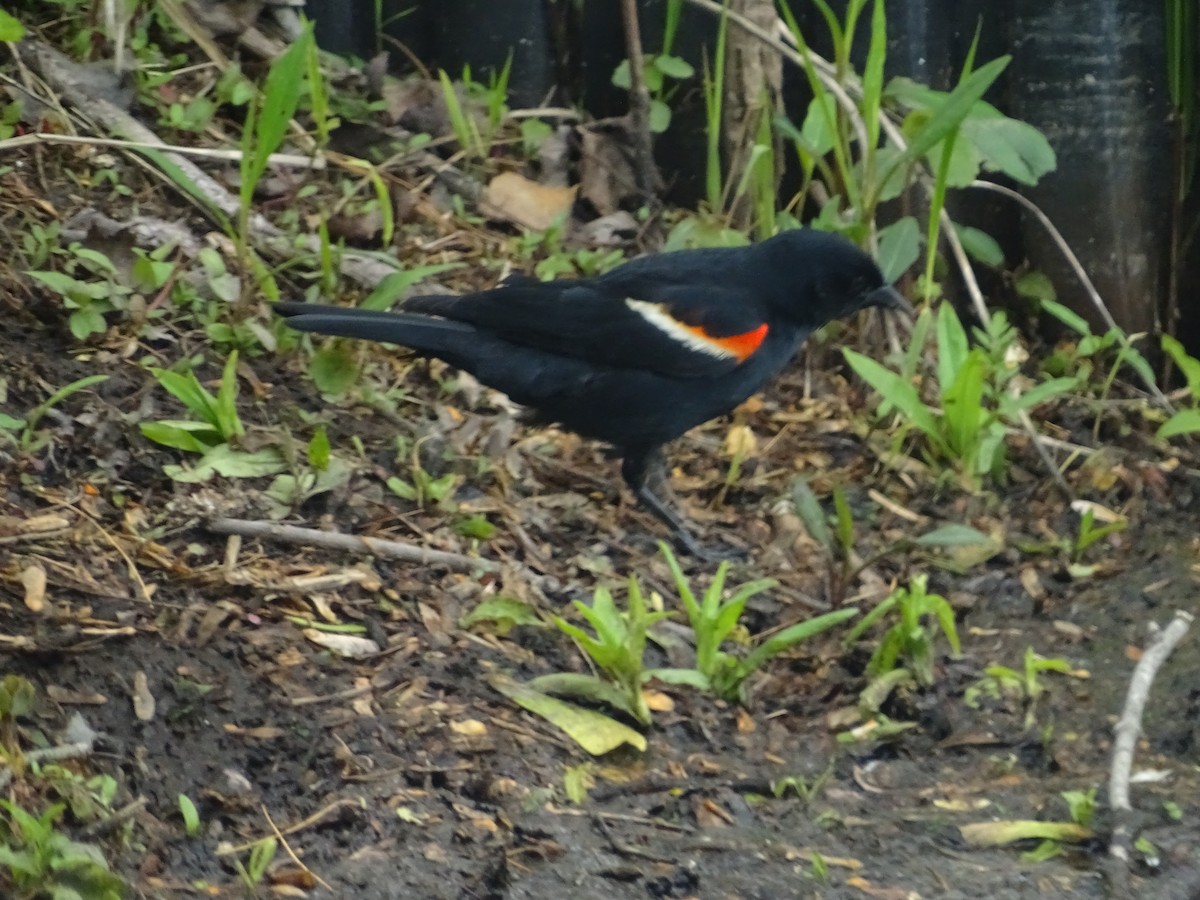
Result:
676,330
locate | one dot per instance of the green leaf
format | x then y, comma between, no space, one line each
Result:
395,287
590,688
225,407
86,322
1038,287
319,452
1009,146
188,391
11,29
962,406
594,732
660,116
952,346
686,677
280,98
334,368
1186,421
181,434
949,115
673,66
812,515
899,392
621,76
899,247
952,535
793,635
980,245
224,460
505,610
1188,365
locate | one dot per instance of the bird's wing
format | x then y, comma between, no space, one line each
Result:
676,328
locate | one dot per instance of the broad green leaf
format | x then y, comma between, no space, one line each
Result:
1039,393
1186,421
673,66
952,535
952,347
1188,365
980,245
334,368
949,115
192,437
1009,146
810,513
872,79
963,165
686,677
395,287
899,392
11,29
793,635
226,404
899,247
962,406
187,390
319,452
502,609
815,133
1037,286
589,688
594,732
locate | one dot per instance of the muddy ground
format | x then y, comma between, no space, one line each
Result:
406,774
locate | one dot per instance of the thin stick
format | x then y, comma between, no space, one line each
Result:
369,546
639,104
1126,734
290,160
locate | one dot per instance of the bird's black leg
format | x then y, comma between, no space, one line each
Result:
638,467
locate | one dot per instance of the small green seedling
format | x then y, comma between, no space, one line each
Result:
254,870
41,861
616,646
191,816
25,431
714,619
1003,683
910,641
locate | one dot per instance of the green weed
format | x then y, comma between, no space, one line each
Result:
909,642
977,387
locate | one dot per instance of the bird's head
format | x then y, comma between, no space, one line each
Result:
829,278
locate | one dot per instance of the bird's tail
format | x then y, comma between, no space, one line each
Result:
420,332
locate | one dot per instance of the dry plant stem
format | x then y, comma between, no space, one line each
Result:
332,540
1126,733
1076,267
639,104
113,820
279,160
50,754
290,852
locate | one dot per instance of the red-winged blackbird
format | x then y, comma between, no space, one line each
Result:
641,354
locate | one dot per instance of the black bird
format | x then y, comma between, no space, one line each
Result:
639,355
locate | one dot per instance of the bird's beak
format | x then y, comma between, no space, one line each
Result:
889,298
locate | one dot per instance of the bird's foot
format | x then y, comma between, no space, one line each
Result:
709,553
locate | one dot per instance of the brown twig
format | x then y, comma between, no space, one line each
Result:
333,540
639,106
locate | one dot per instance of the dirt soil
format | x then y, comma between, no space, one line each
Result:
406,774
